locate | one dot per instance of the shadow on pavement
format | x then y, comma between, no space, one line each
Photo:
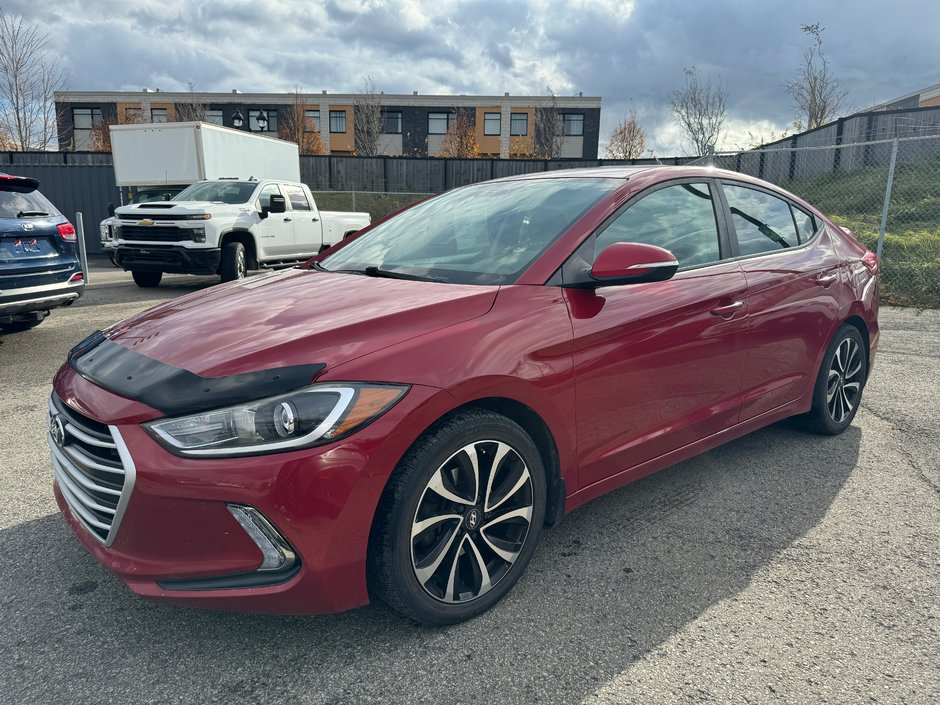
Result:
609,584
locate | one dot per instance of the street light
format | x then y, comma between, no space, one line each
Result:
262,120
237,119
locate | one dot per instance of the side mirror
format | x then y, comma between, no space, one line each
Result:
168,197
632,263
111,209
278,204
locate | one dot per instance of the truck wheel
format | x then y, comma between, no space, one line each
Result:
233,265
147,280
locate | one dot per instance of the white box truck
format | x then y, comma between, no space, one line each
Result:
156,161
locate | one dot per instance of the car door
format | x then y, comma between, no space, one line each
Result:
793,276
307,237
276,229
657,365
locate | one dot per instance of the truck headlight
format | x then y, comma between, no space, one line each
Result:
314,415
105,232
199,234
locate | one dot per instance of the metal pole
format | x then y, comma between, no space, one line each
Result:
884,209
80,242
354,201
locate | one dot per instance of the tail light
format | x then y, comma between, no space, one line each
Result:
870,260
67,231
77,277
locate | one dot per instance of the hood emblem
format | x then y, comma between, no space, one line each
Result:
27,226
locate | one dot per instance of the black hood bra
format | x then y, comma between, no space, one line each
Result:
173,390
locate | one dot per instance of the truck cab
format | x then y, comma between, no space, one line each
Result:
226,227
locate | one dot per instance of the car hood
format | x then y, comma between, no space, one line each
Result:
295,317
174,208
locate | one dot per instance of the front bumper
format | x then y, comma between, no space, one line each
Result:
16,302
178,534
168,258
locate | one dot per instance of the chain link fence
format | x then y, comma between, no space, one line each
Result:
376,204
887,192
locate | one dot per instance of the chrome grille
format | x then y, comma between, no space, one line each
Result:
92,467
154,233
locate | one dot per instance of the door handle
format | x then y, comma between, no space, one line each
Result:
825,279
315,219
287,220
728,310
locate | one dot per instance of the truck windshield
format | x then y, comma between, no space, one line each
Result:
219,191
164,193
486,233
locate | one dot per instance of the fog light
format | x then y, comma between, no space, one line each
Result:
278,555
199,234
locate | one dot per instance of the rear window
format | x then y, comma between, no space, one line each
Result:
24,205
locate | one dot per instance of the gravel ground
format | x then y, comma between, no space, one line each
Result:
781,567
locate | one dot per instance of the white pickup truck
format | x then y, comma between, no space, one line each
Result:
226,227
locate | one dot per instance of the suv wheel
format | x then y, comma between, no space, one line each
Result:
147,280
459,520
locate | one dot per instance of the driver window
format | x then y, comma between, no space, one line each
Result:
679,218
264,198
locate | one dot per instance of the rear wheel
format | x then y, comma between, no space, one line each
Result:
839,384
18,326
147,280
459,520
234,264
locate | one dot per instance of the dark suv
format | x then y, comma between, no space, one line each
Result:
39,265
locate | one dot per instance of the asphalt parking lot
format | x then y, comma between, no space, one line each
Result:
780,568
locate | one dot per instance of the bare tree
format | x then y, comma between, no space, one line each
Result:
549,133
295,126
29,77
818,95
627,139
367,119
193,111
461,138
699,109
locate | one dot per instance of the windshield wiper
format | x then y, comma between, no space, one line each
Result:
388,274
27,214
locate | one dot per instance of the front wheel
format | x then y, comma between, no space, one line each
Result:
459,520
147,280
234,264
839,384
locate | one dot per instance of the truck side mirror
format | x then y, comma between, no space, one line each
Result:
111,209
278,204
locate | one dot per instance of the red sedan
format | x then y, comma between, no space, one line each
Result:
402,416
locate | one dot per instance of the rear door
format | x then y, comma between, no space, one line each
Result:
276,229
658,365
32,250
307,226
792,277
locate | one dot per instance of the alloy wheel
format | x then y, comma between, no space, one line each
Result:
240,267
472,521
844,385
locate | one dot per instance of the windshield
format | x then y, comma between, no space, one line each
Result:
24,205
154,195
219,191
487,233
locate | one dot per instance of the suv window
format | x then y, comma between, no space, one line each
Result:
20,205
264,196
680,218
297,197
762,223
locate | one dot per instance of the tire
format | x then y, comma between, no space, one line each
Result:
20,326
234,264
839,384
147,280
432,573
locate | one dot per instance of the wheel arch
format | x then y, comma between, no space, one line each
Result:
859,324
247,238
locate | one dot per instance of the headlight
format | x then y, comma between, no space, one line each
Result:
198,234
310,416
105,231
198,216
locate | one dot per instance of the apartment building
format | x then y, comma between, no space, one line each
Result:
412,125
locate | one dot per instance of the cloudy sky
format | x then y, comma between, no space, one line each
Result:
629,52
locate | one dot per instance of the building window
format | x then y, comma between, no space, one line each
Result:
392,124
158,115
311,120
338,121
214,117
270,115
519,124
438,123
83,120
573,124
491,123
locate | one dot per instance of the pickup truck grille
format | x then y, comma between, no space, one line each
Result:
92,468
155,233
